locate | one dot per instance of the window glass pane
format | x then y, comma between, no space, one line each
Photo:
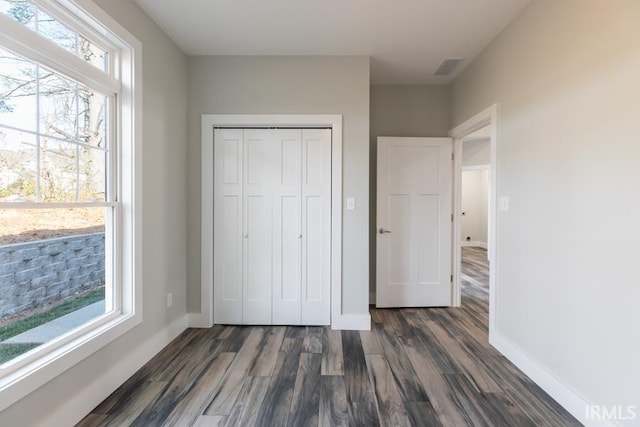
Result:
91,175
53,277
36,19
18,166
20,10
58,105
71,172
94,55
18,89
71,111
69,139
71,41
92,118
53,30
58,171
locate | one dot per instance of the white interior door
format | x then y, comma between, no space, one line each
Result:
414,205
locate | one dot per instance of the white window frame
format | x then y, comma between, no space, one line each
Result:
51,359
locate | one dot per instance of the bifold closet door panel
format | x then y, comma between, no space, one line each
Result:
287,223
316,227
228,241
261,172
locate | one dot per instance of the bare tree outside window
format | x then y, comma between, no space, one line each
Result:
52,130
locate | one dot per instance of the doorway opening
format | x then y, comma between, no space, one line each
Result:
474,215
475,164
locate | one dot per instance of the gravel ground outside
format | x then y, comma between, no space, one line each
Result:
28,225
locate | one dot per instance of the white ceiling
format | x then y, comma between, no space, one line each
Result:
406,39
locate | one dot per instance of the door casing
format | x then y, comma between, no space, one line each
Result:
204,319
487,117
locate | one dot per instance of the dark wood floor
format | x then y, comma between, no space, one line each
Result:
420,367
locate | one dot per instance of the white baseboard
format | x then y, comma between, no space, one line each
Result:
353,322
575,404
346,321
474,243
372,298
79,405
199,320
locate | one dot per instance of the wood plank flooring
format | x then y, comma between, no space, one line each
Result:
416,367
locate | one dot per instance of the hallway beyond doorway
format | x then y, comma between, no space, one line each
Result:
474,275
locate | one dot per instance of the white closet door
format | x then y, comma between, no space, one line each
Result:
287,234
228,241
316,227
261,159
272,226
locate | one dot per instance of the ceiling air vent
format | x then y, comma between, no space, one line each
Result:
447,66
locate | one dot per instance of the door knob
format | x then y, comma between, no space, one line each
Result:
246,236
383,231
299,236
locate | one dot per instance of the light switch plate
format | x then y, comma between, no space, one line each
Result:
503,203
351,203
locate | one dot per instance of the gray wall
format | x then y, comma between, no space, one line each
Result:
289,85
565,77
411,110
36,273
164,217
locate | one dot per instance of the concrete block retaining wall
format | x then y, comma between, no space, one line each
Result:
40,272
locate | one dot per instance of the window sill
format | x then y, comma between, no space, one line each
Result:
28,378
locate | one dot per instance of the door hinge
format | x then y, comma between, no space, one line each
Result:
451,217
453,156
452,278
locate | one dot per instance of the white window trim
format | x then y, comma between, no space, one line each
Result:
76,346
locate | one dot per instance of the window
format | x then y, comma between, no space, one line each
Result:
53,135
36,19
69,234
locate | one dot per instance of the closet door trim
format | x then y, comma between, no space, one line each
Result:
208,123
